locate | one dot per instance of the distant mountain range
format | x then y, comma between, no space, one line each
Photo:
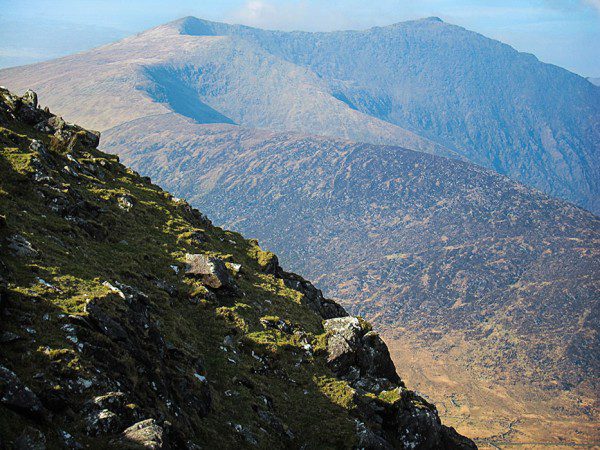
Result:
424,85
308,134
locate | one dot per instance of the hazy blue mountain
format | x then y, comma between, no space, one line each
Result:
424,85
535,122
208,78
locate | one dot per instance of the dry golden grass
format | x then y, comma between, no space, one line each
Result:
495,414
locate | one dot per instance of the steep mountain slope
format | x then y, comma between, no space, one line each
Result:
130,321
424,85
459,258
399,235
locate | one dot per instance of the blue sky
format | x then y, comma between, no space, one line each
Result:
562,32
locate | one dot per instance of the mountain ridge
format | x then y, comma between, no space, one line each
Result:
416,84
303,48
421,244
209,166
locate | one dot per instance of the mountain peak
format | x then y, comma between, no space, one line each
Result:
195,26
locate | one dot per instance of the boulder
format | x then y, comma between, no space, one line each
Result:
147,434
30,98
347,328
105,323
102,422
210,270
18,397
57,123
343,343
375,358
358,354
125,202
21,247
369,440
313,297
30,115
90,138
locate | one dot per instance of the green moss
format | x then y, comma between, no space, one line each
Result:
338,391
392,396
364,325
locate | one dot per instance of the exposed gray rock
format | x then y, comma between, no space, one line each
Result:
91,138
376,358
111,400
57,123
104,321
8,336
30,98
313,297
146,433
281,325
109,414
21,247
368,440
347,328
210,270
18,397
68,440
102,422
125,202
358,354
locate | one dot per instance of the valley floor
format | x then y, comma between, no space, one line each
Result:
496,416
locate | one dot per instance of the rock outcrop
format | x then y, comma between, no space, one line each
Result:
129,321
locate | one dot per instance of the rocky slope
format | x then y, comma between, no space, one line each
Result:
130,321
424,85
456,257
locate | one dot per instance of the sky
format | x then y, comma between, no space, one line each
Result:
561,32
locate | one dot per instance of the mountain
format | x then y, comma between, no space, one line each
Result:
443,254
595,81
130,321
424,85
142,76
486,290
